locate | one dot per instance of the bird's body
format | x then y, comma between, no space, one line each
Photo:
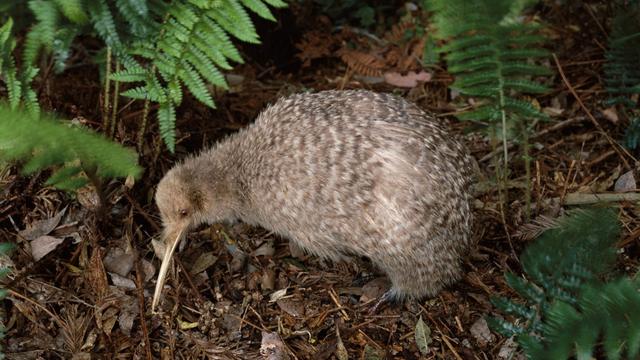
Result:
341,173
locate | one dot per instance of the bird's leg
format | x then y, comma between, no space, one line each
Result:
389,297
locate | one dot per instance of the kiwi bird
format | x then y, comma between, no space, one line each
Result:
340,173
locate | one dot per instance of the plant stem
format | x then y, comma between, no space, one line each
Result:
107,84
114,110
143,127
527,168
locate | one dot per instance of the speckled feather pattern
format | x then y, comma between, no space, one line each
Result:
346,173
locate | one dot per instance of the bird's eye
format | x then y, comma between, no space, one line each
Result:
183,212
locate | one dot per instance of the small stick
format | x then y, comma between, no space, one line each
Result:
453,350
337,302
585,199
143,323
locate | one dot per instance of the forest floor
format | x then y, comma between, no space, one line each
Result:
234,286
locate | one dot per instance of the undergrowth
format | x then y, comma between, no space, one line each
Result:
77,155
567,299
161,47
492,53
5,249
622,74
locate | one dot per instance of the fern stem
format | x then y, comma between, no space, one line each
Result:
114,110
107,83
143,127
527,169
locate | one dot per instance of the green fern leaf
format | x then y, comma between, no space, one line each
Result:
194,82
167,121
524,69
43,32
523,108
45,142
205,67
73,10
129,75
489,113
63,174
276,3
102,20
622,75
235,20
259,8
525,86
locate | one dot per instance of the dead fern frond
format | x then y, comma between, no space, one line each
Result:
74,328
399,32
314,45
362,63
536,227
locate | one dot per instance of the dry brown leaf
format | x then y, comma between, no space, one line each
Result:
128,314
481,333
119,261
611,114
626,182
43,245
204,261
96,276
42,227
406,81
88,197
272,347
292,307
374,289
122,282
266,249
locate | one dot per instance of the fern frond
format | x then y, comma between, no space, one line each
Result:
276,3
138,17
104,24
45,142
194,82
235,20
42,34
73,10
167,121
490,53
191,47
8,70
566,307
622,75
29,96
259,8
610,309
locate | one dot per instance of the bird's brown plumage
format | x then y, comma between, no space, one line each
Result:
339,173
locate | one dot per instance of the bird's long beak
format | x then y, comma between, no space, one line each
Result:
172,239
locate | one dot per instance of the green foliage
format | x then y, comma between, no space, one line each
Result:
191,47
348,11
564,306
621,71
164,47
18,84
632,134
490,54
44,143
622,74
